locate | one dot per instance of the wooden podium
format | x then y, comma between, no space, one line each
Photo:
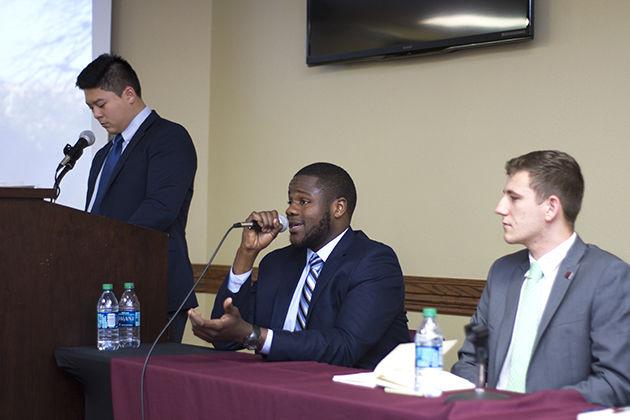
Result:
53,261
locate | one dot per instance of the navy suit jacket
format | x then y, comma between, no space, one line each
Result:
583,339
152,186
357,312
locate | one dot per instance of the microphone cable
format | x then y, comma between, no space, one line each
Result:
58,177
250,225
170,321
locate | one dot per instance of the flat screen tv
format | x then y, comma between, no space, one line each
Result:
353,30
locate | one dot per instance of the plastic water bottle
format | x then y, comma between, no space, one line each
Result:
129,318
429,341
107,319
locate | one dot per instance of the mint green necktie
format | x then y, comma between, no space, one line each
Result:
525,329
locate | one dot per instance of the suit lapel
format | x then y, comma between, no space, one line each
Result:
512,297
286,287
330,268
133,143
566,272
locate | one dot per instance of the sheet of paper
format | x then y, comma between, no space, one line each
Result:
619,413
4,184
366,379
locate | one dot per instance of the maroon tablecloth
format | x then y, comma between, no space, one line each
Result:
225,385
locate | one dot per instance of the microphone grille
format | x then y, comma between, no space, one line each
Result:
284,222
88,135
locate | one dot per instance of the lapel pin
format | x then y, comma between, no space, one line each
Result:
568,275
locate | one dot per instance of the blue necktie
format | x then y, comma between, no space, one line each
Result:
108,168
315,265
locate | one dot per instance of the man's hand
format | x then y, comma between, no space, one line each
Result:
255,240
230,327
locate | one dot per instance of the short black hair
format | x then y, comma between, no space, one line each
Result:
109,72
552,172
334,181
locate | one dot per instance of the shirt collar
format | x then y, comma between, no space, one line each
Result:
550,262
327,249
133,126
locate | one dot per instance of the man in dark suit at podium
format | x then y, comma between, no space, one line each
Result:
145,174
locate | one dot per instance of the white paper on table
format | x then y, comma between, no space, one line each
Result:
619,413
366,379
396,372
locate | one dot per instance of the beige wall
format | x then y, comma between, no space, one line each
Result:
425,139
168,43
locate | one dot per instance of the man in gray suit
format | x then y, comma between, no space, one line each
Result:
558,312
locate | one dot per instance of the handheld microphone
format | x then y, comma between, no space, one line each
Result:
73,153
284,224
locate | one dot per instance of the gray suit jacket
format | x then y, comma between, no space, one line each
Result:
583,340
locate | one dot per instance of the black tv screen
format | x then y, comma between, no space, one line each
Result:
351,30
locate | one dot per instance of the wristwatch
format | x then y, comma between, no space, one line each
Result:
251,341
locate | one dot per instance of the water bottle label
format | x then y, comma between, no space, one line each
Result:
429,356
129,319
101,320
106,320
111,320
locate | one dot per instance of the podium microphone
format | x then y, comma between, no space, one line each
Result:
73,153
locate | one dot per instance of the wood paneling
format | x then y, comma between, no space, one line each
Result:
449,296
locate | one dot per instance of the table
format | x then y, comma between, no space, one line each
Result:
227,385
91,368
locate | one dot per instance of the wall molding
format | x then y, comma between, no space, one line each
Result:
450,296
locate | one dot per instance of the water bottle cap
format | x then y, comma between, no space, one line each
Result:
129,285
429,312
108,286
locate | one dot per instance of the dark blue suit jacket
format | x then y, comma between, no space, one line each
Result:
357,313
152,186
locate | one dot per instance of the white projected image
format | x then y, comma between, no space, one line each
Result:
44,46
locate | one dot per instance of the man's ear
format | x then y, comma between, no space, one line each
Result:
129,95
339,207
553,208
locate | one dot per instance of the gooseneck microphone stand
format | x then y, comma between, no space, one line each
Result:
59,174
478,335
71,156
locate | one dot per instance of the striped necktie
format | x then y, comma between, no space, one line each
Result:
525,329
315,264
108,168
